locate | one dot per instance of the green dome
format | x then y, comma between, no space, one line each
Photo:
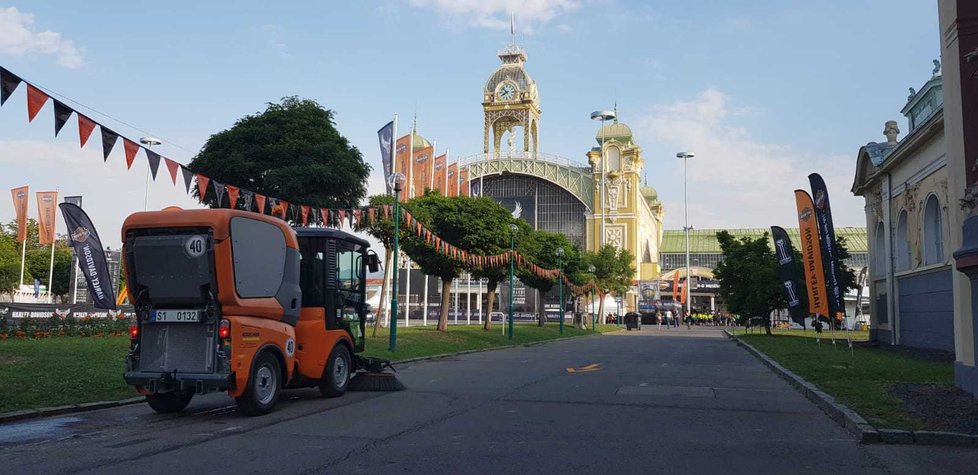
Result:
616,131
649,194
419,142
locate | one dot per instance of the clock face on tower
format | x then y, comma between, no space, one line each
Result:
507,92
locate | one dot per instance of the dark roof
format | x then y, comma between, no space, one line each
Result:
330,233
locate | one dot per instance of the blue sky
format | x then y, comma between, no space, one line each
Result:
764,91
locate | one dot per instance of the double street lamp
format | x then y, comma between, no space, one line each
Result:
396,181
689,294
512,248
560,284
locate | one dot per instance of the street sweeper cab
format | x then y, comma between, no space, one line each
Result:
234,301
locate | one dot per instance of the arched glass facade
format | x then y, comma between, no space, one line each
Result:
543,204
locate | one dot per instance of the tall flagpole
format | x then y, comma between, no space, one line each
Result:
410,194
394,267
430,183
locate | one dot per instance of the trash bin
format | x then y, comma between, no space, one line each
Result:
633,320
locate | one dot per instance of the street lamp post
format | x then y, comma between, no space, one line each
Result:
149,142
689,294
512,248
560,285
395,180
602,116
592,310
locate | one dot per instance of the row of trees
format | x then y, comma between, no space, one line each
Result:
37,261
292,150
748,275
482,226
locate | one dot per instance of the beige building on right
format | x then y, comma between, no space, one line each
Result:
921,195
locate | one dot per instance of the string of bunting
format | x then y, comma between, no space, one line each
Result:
250,200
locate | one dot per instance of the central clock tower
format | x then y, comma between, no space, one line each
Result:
511,106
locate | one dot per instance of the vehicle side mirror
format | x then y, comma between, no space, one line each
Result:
373,262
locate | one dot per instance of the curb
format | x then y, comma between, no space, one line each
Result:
865,432
92,406
67,409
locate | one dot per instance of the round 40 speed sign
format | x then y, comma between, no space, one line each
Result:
195,246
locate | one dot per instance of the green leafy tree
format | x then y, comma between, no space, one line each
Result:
291,151
748,276
477,225
613,269
540,248
382,228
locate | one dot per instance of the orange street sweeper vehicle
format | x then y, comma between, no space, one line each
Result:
236,301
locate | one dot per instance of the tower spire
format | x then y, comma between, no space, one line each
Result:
616,111
512,27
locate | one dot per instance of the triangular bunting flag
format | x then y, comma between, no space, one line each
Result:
232,196
260,203
342,217
8,83
202,182
85,128
305,214
357,214
61,115
187,177
108,141
172,167
154,162
324,213
219,191
35,101
131,149
248,197
285,208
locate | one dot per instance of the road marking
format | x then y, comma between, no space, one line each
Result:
585,369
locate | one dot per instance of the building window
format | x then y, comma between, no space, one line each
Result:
933,232
614,158
902,243
879,251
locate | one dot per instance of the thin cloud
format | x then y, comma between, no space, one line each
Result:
737,180
495,14
19,38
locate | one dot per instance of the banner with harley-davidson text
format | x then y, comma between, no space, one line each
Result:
91,257
421,175
788,272
811,255
20,196
823,212
47,211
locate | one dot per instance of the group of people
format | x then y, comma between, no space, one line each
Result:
674,319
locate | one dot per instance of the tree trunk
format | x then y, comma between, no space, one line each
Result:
541,310
601,315
388,272
446,289
491,286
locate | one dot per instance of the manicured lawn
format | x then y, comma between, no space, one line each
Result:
65,370
826,334
860,380
72,370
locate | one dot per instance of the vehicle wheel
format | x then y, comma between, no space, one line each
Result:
264,386
165,403
336,378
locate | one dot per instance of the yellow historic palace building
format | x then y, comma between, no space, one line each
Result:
601,201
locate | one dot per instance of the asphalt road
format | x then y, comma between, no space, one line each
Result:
654,401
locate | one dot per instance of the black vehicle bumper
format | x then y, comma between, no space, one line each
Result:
199,383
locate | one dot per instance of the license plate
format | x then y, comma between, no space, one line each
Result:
179,316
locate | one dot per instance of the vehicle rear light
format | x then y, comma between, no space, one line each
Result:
225,330
133,331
